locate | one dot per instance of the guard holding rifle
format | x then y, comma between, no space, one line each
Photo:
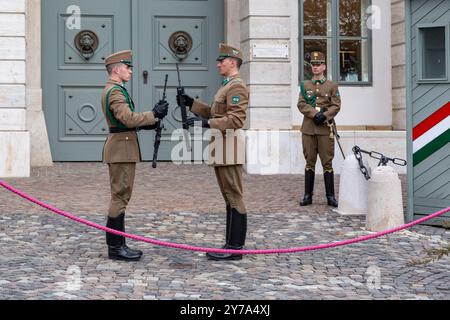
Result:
226,117
121,151
319,103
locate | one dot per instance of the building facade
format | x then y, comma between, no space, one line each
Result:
49,89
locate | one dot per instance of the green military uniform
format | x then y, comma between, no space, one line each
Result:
227,116
121,152
318,96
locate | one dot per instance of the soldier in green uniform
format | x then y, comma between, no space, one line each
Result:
319,103
226,119
121,151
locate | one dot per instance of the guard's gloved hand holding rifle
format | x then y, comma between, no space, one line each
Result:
160,110
193,120
184,99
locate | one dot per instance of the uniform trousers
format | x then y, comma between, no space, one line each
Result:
121,177
229,179
318,144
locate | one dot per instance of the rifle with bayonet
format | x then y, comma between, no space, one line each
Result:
180,92
159,129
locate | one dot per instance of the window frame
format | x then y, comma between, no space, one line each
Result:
336,39
419,52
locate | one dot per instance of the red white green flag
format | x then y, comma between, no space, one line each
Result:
431,135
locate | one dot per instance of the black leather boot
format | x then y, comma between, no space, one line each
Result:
227,232
309,187
117,249
329,188
236,238
122,224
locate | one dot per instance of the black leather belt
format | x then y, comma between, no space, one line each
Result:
120,130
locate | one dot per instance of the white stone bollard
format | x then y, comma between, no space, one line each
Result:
385,204
353,188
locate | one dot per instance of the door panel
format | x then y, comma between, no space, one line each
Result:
72,81
158,20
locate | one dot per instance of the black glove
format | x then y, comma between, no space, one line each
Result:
161,109
192,120
188,101
319,118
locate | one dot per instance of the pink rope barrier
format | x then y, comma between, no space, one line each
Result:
201,249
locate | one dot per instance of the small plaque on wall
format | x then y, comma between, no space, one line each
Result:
270,51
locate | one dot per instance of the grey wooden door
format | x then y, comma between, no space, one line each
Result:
429,107
72,81
203,22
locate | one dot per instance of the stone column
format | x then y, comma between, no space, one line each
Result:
40,147
398,65
270,53
14,137
232,23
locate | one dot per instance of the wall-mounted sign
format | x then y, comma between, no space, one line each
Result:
270,51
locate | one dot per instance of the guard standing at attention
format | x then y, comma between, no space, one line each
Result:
319,102
121,151
226,118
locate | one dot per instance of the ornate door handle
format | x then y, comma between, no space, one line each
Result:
180,43
86,42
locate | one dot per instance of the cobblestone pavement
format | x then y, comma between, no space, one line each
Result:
45,256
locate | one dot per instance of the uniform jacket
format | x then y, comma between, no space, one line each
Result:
228,113
316,95
124,146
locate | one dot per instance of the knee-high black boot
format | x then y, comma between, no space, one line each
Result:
117,249
227,232
329,188
236,237
309,188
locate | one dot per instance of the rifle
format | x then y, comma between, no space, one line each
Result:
158,130
180,91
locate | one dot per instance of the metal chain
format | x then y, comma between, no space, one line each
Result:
362,167
376,155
